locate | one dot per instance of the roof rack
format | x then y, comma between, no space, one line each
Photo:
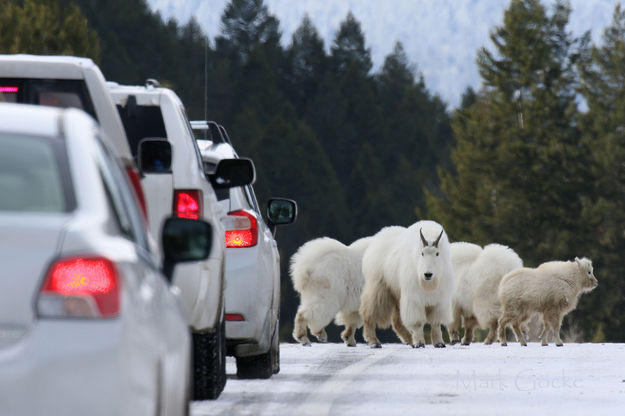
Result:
151,82
218,133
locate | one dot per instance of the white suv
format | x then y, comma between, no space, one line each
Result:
161,139
252,264
67,81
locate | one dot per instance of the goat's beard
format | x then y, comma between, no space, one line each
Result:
429,285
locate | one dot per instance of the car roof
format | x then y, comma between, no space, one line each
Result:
215,152
48,66
35,120
145,95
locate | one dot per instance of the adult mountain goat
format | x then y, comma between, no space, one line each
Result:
553,289
478,273
408,282
328,276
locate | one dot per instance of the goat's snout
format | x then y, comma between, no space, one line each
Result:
428,276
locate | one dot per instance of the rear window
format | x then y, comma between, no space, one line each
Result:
141,121
51,92
34,176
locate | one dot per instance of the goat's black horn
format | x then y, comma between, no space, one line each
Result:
438,239
425,242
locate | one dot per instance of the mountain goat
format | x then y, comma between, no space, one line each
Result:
553,289
408,282
328,276
478,273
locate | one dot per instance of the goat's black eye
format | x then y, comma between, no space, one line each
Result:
588,272
422,254
437,254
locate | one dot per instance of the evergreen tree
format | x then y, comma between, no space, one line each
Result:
245,25
520,166
349,50
43,27
416,135
350,64
307,65
603,78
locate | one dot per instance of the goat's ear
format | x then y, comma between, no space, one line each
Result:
578,262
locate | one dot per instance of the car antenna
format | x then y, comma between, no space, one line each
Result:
206,78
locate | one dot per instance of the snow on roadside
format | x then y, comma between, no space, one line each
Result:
333,379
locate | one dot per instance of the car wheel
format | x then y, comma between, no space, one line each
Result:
262,365
255,366
209,363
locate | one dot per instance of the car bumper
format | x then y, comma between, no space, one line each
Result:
75,368
248,295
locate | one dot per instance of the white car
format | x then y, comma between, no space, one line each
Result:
68,81
156,124
88,324
252,264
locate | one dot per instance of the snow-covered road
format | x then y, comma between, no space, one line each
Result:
332,379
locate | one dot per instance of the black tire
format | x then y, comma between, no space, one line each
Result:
209,363
255,366
262,365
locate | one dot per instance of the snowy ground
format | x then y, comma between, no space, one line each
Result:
332,379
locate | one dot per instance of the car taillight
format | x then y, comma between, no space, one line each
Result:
135,181
9,89
241,229
188,203
80,287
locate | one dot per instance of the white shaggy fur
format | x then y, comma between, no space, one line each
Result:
552,289
328,276
463,255
478,273
407,283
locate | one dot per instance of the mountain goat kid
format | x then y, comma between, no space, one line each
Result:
328,276
408,282
553,289
478,273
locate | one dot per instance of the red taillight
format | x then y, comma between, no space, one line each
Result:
135,181
241,229
234,317
188,204
85,287
9,89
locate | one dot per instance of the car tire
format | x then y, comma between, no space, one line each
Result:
255,366
261,365
209,363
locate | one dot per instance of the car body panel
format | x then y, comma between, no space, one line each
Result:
201,284
69,67
133,363
252,273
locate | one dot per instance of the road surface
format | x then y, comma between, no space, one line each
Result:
332,379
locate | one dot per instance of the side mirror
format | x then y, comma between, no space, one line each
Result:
184,240
233,172
281,211
154,155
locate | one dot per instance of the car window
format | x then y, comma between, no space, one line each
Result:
34,175
141,121
50,92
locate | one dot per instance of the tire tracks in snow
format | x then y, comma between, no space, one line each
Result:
321,400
